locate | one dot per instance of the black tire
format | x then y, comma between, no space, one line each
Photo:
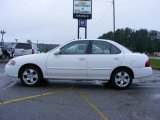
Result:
31,76
121,79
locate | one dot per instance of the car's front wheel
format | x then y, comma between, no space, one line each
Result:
31,76
121,79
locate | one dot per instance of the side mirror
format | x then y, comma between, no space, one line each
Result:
57,52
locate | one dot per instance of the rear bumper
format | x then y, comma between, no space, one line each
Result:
142,72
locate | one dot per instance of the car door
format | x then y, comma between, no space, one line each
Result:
103,58
70,63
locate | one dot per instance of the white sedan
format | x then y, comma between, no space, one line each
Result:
87,60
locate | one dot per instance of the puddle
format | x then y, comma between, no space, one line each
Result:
156,96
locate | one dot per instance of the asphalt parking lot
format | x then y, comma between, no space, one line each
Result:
79,101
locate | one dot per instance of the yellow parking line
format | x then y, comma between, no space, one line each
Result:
34,96
89,102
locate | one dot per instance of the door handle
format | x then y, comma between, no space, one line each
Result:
116,58
81,58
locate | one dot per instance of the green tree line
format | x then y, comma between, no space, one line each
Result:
140,40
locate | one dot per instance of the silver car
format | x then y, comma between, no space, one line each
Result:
1,53
25,49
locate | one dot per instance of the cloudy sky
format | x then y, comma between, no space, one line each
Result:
51,21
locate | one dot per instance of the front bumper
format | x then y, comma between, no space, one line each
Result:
11,71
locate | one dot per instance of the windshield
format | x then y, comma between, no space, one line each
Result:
54,48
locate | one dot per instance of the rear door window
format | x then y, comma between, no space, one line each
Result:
103,47
115,50
23,46
100,47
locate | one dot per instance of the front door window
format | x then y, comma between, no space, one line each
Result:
76,47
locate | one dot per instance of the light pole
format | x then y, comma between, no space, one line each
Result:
16,40
37,43
114,19
2,41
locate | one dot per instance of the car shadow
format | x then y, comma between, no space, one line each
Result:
60,84
64,84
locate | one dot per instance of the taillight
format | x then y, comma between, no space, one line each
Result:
32,51
147,64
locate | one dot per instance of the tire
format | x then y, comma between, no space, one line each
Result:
121,79
31,76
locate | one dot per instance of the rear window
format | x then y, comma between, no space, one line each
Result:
115,50
23,46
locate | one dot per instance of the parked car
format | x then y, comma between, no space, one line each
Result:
103,60
25,49
1,53
9,52
4,53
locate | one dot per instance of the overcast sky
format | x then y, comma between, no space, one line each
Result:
51,21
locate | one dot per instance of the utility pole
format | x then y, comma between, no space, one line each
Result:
113,19
37,43
2,41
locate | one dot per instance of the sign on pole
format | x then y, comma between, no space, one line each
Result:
82,23
82,9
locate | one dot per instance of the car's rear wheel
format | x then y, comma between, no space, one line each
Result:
31,76
121,79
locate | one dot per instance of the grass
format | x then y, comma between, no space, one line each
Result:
155,63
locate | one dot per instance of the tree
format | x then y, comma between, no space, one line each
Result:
140,40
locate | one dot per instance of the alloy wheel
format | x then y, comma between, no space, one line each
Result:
30,76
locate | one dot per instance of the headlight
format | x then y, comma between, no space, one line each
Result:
11,62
